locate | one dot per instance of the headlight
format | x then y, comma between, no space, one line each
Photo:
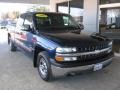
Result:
110,43
110,46
65,50
110,50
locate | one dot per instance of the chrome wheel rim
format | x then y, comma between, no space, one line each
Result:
43,67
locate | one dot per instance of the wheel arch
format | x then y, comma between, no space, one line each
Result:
37,50
8,38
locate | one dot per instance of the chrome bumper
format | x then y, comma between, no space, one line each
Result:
57,71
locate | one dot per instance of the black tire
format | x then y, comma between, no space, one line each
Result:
13,48
9,39
45,71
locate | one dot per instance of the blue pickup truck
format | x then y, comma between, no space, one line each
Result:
57,44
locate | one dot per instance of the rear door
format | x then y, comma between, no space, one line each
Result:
20,36
28,33
23,37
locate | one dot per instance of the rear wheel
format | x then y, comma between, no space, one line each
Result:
12,46
44,67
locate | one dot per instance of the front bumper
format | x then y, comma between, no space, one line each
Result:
58,71
81,63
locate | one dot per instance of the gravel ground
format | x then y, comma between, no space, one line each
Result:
17,73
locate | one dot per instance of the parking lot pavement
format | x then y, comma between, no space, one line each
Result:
17,73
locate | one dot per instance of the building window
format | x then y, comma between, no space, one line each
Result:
76,9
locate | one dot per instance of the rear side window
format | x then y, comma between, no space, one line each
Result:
20,22
28,20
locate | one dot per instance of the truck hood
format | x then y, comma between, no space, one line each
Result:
72,39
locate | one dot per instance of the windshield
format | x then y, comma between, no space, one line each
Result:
55,21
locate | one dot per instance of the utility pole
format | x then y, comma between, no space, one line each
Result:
68,6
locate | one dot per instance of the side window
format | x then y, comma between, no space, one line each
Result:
67,21
20,22
28,21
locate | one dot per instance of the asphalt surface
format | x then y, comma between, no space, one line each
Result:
17,73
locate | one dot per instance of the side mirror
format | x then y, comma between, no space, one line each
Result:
27,27
81,26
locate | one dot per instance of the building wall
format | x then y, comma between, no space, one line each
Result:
53,4
90,17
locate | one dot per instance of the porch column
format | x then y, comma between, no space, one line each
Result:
91,16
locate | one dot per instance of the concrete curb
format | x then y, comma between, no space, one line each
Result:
117,54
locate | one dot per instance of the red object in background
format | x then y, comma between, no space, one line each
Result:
23,37
34,39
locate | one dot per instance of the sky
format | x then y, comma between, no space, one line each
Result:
9,7
4,7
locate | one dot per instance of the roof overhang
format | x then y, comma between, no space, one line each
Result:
113,5
73,3
43,2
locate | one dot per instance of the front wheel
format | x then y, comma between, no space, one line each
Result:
12,46
44,66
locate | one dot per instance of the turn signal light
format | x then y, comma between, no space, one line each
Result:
59,58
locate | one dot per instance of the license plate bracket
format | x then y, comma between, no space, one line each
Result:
97,67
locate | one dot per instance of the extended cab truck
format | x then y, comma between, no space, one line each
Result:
56,43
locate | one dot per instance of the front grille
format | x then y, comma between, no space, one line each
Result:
85,58
92,48
92,57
